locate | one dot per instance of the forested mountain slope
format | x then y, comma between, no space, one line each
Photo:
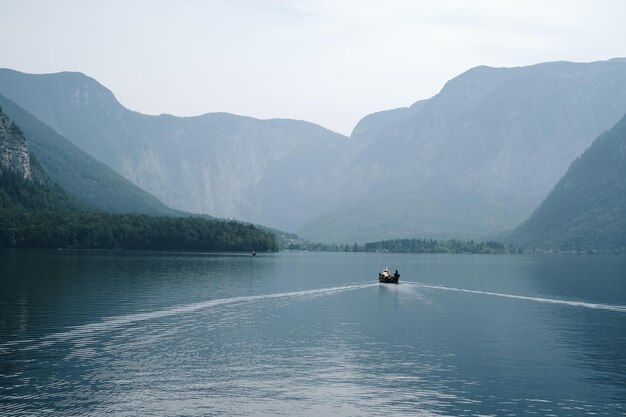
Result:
472,161
478,157
275,172
36,213
586,210
89,181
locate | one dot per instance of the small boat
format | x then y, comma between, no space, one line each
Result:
386,278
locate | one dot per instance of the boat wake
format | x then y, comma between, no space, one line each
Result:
116,322
595,306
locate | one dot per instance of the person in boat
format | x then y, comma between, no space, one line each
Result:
396,275
386,272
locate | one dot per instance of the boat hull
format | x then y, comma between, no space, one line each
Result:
389,279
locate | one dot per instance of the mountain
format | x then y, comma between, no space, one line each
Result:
276,172
586,210
24,185
84,178
14,156
36,213
475,159
472,161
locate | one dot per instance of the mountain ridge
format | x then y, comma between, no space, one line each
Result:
472,161
37,213
89,181
215,163
586,209
479,156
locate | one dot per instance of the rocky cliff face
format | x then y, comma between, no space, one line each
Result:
13,149
278,172
89,182
472,161
478,157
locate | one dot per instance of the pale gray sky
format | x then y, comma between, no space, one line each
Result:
330,62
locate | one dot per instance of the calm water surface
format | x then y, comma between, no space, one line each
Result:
153,334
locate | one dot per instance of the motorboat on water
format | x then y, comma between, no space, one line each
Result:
386,278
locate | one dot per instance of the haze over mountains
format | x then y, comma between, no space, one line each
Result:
89,181
478,157
35,212
470,162
272,172
586,210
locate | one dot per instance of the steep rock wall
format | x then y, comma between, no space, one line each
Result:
13,149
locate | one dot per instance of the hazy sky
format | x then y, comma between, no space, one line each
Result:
328,62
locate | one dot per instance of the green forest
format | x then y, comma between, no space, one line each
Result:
411,246
40,215
586,210
83,178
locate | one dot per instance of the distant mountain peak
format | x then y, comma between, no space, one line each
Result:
476,158
473,160
90,182
71,88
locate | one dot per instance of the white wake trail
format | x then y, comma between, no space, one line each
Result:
595,306
112,323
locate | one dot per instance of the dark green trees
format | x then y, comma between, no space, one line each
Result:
36,213
586,210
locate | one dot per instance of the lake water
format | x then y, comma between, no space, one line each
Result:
310,334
